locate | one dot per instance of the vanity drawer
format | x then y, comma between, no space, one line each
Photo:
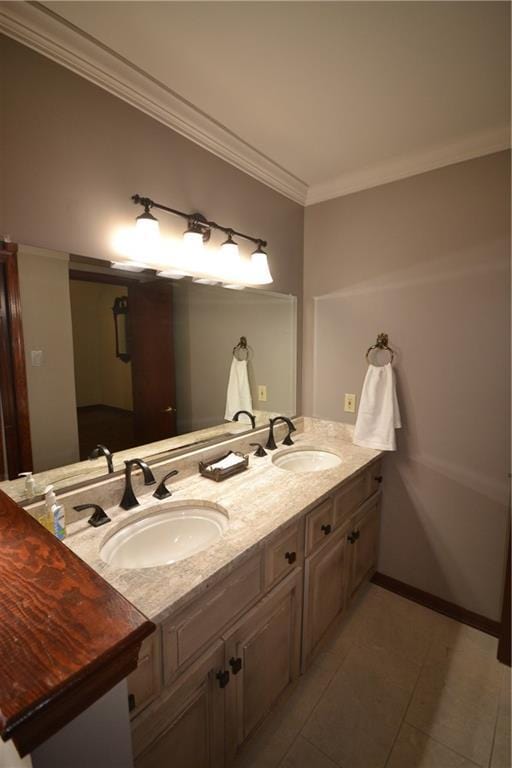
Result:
145,682
319,524
202,622
284,553
350,497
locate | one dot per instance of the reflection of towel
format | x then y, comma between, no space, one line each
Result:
239,394
378,414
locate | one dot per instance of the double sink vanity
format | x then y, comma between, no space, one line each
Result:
258,568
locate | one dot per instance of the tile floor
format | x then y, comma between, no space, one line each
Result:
394,686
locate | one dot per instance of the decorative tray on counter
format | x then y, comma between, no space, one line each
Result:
208,468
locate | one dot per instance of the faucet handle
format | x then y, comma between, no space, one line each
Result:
260,451
98,517
162,492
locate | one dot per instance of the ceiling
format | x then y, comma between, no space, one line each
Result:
341,95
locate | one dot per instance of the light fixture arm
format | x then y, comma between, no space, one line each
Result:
197,219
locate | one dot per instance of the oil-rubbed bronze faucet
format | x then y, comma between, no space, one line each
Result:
102,450
247,413
271,443
129,499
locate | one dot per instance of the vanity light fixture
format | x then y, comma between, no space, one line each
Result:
259,264
229,268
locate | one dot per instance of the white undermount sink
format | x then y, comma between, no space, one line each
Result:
306,460
165,536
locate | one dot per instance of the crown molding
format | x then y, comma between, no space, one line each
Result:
469,148
45,32
52,36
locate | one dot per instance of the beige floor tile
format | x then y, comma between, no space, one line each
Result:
456,699
360,714
501,753
270,743
413,749
464,639
387,621
304,755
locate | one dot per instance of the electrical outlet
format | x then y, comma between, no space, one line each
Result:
350,403
262,393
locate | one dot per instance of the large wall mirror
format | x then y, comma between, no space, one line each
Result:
137,363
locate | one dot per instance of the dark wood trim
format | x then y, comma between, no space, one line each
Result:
67,636
23,462
504,641
435,603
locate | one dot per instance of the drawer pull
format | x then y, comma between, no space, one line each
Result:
131,702
291,557
378,479
353,537
326,529
235,664
223,678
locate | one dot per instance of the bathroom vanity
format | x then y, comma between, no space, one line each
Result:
239,621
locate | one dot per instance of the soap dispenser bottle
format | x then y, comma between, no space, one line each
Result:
30,485
55,513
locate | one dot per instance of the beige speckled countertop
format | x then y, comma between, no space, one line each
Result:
258,503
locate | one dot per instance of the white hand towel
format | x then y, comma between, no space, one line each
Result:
238,396
379,414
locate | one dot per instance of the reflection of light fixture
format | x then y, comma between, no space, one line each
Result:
130,266
259,266
229,269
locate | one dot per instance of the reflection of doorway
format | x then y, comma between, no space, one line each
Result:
123,400
15,442
103,381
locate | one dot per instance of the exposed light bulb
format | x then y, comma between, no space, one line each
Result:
260,272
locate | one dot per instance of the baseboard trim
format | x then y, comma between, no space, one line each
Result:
452,610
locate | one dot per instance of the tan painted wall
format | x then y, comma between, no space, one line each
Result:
100,376
75,154
46,315
208,322
425,259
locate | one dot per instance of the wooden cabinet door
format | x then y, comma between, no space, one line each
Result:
186,730
263,657
325,588
363,543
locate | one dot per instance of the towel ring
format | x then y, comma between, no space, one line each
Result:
381,343
240,349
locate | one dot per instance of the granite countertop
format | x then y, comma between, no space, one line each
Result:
258,503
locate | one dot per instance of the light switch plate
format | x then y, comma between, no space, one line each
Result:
350,403
36,357
262,393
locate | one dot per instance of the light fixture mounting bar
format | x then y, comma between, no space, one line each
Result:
147,203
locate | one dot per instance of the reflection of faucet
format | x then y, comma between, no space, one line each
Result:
102,450
129,499
247,413
271,443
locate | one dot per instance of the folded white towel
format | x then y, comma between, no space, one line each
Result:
378,415
228,461
238,396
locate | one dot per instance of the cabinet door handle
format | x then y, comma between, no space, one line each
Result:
131,702
291,557
378,479
326,529
235,664
223,678
353,537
